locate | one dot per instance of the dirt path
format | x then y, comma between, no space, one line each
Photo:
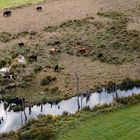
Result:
56,12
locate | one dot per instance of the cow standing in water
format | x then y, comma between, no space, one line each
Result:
7,13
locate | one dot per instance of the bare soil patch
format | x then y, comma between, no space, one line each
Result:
56,12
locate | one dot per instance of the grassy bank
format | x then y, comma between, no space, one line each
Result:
119,125
102,122
16,3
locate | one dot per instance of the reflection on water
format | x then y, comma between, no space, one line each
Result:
13,120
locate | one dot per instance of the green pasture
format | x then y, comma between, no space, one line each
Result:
119,125
14,3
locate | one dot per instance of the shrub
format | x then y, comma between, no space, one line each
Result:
5,37
2,63
37,68
39,133
47,80
54,90
129,100
65,113
51,29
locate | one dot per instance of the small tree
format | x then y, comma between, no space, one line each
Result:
77,87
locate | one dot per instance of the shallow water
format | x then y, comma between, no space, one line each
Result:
14,120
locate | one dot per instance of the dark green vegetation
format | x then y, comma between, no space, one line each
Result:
85,124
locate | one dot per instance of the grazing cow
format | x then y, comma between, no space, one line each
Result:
39,8
100,55
17,101
21,44
53,51
10,101
11,86
57,43
82,50
7,13
8,76
56,68
4,71
33,58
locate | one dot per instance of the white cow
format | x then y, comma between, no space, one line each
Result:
4,71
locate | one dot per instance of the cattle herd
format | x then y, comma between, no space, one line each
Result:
8,13
33,58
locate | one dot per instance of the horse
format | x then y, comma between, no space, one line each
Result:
7,13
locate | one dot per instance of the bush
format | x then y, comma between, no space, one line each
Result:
47,80
5,37
39,133
37,68
2,63
129,100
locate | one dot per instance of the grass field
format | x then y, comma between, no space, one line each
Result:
120,125
119,121
14,3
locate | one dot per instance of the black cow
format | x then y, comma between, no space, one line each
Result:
39,8
33,58
100,55
21,44
57,43
7,13
17,101
56,68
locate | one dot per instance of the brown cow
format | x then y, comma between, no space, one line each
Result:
82,50
53,51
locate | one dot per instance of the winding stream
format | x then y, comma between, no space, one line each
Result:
14,120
